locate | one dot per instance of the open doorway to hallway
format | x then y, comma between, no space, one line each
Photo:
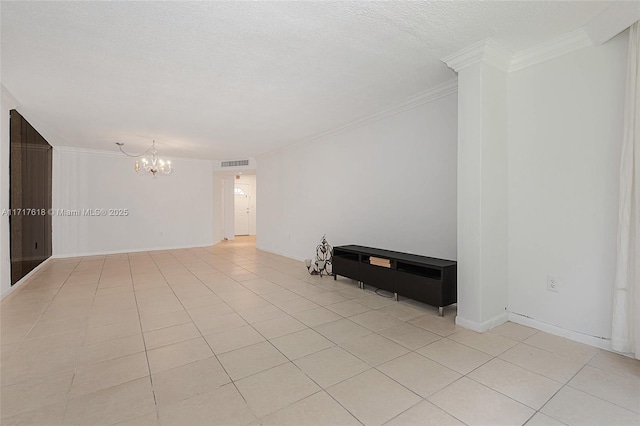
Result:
234,207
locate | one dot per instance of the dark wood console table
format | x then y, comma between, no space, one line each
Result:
426,279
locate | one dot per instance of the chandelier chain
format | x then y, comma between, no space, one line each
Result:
120,145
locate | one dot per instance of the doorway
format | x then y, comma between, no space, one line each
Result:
244,203
241,208
234,204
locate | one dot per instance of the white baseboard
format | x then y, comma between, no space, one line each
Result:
481,327
598,342
24,279
281,253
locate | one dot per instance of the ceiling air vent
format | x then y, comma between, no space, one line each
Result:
235,163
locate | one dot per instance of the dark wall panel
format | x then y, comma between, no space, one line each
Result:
30,197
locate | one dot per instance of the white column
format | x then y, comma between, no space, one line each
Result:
482,185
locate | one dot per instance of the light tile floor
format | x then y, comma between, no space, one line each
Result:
233,335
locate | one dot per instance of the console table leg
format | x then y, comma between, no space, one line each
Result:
361,285
335,277
441,311
395,296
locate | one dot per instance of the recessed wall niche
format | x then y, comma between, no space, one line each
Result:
29,197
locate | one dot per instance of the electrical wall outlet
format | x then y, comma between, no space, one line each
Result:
553,283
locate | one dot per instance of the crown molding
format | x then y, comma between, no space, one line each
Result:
490,52
439,91
485,51
612,21
550,49
117,153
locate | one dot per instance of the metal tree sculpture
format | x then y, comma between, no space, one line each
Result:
322,265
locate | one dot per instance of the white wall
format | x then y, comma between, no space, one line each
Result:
251,181
164,212
389,184
565,135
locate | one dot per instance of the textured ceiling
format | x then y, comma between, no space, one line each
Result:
227,79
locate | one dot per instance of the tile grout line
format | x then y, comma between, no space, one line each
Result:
75,371
565,385
370,309
194,253
250,325
321,388
66,397
144,341
200,331
48,303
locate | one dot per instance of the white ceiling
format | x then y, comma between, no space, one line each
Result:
234,79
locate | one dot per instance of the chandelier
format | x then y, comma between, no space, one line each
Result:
154,165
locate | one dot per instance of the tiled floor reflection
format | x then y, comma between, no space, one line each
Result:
232,335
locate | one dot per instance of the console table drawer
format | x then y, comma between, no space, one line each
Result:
419,288
377,276
345,267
